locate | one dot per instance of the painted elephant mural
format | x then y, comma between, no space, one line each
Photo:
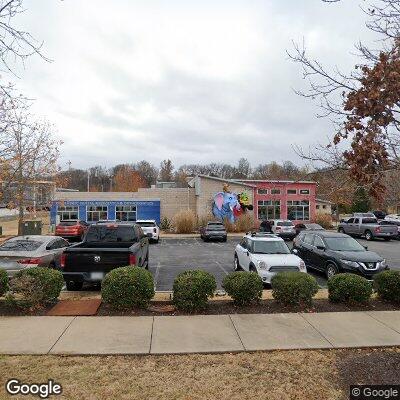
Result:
228,205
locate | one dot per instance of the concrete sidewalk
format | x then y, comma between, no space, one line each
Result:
197,334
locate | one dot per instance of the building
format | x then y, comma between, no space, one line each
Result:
271,199
323,207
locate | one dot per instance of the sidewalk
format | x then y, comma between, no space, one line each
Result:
197,334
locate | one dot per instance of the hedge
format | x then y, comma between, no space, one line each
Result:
3,282
243,287
387,285
349,288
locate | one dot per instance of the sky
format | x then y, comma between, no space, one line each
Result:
193,81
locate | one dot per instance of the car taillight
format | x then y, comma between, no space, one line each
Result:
132,259
30,261
155,230
62,261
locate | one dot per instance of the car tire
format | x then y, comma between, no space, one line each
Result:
74,286
224,239
368,235
236,265
331,270
388,239
341,230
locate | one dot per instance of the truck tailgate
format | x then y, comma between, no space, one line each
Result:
88,260
388,229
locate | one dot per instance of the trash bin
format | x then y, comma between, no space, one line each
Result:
31,228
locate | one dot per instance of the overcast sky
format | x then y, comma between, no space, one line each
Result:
194,81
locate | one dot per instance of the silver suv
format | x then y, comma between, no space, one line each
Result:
283,228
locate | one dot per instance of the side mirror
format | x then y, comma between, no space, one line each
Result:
295,251
366,247
321,248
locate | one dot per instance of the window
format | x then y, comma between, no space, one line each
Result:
68,212
112,233
262,191
317,206
96,213
291,191
308,239
304,191
356,221
298,210
318,242
350,220
57,244
243,243
126,213
275,191
269,209
324,207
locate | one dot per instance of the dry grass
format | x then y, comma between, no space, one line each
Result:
10,227
185,221
277,375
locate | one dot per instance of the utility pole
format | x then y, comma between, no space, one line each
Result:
69,165
88,180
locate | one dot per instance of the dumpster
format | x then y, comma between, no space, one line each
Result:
31,228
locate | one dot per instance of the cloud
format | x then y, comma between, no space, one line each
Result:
191,81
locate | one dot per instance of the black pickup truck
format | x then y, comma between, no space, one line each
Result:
105,246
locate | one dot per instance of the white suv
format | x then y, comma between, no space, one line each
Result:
266,254
283,228
150,228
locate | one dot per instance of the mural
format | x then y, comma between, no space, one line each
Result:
228,205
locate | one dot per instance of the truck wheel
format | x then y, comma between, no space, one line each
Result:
368,235
74,286
341,230
331,270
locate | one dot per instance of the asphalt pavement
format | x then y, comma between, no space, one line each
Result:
171,256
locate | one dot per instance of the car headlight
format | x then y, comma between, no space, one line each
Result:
262,265
302,265
382,264
350,263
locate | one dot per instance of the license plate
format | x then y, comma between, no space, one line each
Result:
97,276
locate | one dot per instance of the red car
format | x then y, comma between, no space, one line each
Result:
72,229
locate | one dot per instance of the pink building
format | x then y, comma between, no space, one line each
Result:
294,200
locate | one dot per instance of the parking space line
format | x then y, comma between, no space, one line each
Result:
223,269
156,275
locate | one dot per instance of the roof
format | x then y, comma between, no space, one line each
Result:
327,233
98,196
215,178
275,181
263,236
323,201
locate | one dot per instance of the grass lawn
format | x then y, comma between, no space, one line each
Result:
310,374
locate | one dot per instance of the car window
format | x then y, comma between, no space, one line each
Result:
146,224
112,233
243,243
356,220
248,245
20,245
318,241
343,244
215,227
57,244
308,239
68,223
350,220
270,247
369,221
284,223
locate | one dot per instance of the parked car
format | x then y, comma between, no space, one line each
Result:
379,214
395,223
266,254
31,251
308,227
332,253
150,228
392,217
72,229
367,227
368,214
214,230
283,228
105,247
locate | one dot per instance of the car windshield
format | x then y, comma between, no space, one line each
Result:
215,227
270,247
285,223
111,233
146,224
315,227
68,223
20,245
343,244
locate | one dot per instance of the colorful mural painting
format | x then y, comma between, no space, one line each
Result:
229,206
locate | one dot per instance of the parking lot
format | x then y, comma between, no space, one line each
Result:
171,256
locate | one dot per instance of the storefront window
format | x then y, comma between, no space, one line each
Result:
275,191
68,213
269,209
96,213
126,213
298,210
291,191
262,191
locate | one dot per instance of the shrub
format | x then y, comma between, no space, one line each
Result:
3,282
246,222
191,290
185,221
349,288
128,287
243,287
34,287
325,220
165,224
294,288
387,285
203,220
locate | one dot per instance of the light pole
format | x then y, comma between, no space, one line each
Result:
88,180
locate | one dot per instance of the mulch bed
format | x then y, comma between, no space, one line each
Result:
75,308
214,308
265,307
